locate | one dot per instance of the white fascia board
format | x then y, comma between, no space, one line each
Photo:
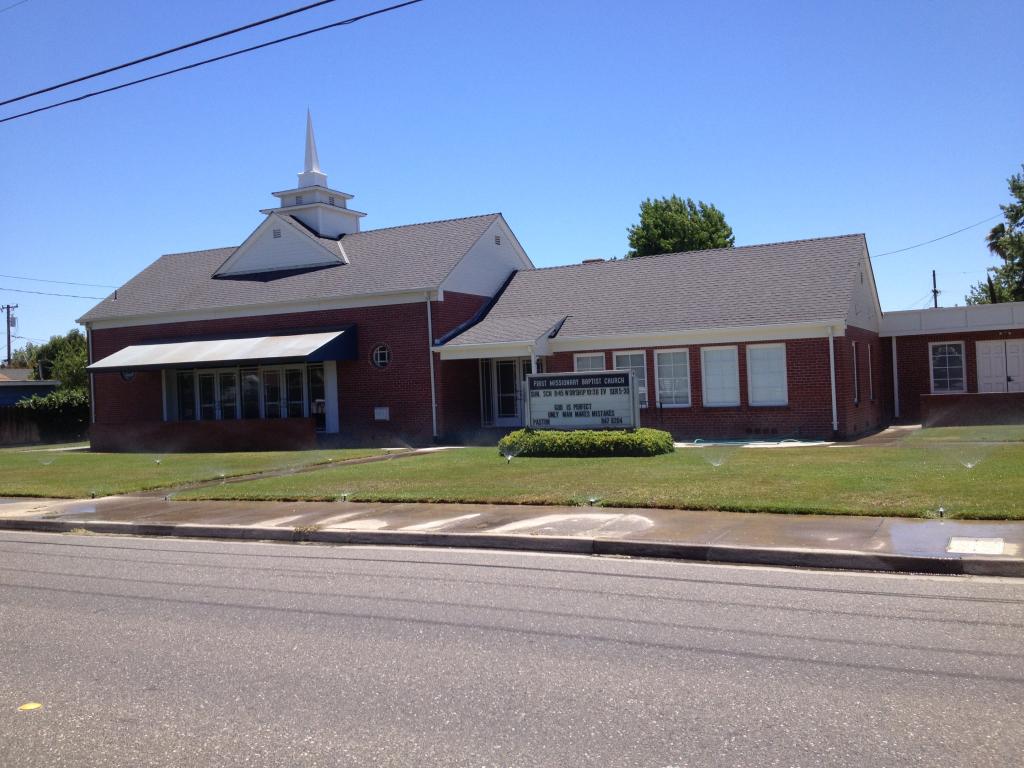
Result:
260,310
944,320
756,333
483,351
306,206
317,187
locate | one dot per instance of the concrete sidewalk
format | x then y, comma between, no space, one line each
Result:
860,543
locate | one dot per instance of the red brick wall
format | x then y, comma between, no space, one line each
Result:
864,410
808,414
403,386
167,437
914,370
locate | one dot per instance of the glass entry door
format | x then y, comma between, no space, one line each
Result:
509,377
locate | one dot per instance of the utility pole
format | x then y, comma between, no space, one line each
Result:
935,291
7,308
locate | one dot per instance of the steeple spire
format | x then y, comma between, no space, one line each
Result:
311,176
312,161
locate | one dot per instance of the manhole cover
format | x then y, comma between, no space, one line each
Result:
964,545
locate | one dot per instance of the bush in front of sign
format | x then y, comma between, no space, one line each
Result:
586,442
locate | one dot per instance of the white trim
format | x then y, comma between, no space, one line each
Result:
704,379
785,376
954,320
262,310
657,380
430,357
694,338
832,377
895,381
697,337
963,365
576,360
856,376
642,352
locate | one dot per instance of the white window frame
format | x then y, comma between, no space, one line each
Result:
931,369
785,376
856,376
704,378
689,379
576,360
645,399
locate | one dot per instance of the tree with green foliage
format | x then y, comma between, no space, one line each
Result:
62,357
671,225
1005,282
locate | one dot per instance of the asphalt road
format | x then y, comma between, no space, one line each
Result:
147,652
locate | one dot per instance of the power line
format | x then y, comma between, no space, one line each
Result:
13,5
47,293
929,242
152,56
61,282
343,22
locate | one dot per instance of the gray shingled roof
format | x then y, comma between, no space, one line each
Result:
412,257
778,283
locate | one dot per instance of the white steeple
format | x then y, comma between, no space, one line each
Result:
322,209
311,175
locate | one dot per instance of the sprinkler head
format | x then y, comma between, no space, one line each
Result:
942,512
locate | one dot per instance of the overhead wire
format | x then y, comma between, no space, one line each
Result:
167,52
61,282
222,57
47,293
934,240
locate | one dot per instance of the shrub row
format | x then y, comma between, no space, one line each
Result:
582,443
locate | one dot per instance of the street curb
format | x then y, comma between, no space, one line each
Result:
711,553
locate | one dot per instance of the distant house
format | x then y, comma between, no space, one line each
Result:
15,385
427,332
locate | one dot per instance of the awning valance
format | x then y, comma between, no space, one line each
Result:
296,347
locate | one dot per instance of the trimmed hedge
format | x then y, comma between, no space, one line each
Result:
586,442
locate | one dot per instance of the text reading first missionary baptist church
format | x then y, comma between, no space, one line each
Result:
582,401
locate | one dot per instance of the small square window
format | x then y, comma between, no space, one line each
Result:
382,413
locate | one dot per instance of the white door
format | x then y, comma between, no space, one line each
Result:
1015,365
509,385
992,366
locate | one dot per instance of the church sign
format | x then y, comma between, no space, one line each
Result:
598,400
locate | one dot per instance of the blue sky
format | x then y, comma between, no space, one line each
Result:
896,119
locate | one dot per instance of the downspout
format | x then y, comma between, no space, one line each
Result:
430,352
92,377
895,382
832,376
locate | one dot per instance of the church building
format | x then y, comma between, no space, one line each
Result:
315,329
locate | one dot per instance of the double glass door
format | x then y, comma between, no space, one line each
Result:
218,395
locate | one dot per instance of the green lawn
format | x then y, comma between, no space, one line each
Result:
1009,433
977,477
78,474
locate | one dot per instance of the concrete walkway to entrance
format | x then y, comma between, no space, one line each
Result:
861,543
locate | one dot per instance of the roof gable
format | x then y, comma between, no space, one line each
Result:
395,260
281,243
